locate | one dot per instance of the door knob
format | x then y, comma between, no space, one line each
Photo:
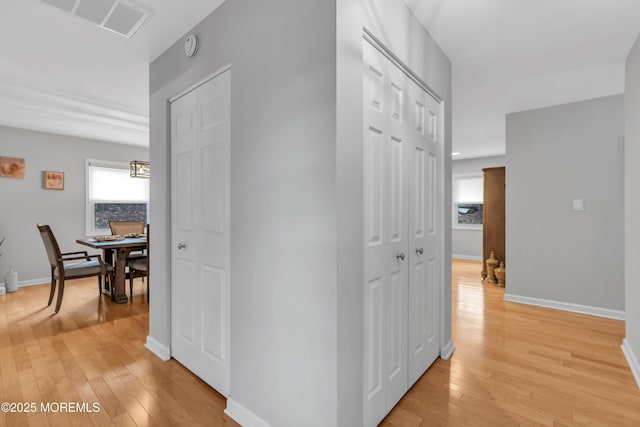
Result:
419,251
400,256
181,246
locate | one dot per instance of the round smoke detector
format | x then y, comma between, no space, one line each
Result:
191,45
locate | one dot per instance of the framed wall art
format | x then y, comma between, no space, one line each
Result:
53,180
11,167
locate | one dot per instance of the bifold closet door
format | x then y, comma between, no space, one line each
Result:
424,236
200,216
401,149
386,235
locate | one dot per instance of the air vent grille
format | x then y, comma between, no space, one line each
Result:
120,16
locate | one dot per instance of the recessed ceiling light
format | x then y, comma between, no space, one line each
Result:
455,154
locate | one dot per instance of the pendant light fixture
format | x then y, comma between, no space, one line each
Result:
140,169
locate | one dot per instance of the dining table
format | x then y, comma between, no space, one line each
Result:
121,248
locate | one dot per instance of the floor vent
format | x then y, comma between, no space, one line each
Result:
120,16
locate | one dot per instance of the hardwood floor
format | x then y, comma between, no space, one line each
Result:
93,351
519,365
514,365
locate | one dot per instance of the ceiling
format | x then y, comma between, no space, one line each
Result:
517,55
62,74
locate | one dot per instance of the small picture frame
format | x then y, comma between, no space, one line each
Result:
53,180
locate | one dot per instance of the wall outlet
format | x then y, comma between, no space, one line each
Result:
578,205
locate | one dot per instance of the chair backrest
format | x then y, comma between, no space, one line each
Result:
50,244
126,227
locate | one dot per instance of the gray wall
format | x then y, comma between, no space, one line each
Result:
394,24
24,202
632,205
283,200
555,155
296,193
467,244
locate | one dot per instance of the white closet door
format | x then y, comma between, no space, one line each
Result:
386,232
424,261
402,150
200,303
397,241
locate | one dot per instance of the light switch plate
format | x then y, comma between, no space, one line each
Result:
578,205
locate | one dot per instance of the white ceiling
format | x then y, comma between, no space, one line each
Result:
516,55
62,74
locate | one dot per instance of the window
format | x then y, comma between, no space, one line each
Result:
112,195
467,201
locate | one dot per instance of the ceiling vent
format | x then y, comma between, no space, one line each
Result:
119,16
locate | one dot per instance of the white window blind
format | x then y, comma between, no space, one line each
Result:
115,184
468,190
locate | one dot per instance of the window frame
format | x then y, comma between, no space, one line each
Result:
454,210
90,203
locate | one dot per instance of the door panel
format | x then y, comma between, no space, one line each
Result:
424,253
185,321
373,339
213,342
376,135
184,191
386,240
200,279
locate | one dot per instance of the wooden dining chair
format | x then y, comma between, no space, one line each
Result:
139,267
126,227
123,228
71,265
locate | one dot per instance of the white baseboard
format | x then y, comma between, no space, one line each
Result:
632,360
566,306
469,257
243,416
45,281
155,347
447,351
23,283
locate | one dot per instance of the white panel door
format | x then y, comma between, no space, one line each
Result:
200,303
386,235
424,235
397,236
402,127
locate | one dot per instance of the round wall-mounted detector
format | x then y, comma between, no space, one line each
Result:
191,45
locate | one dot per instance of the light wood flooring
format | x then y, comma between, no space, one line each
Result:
514,365
93,351
520,365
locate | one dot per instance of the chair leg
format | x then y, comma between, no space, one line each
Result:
100,285
60,294
131,286
53,290
147,290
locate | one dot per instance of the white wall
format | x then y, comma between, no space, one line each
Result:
24,203
395,25
296,194
283,200
467,244
632,208
555,155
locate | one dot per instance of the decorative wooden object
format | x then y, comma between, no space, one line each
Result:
493,220
491,265
500,273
